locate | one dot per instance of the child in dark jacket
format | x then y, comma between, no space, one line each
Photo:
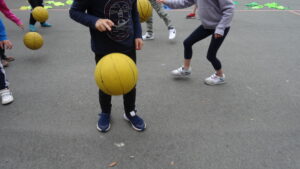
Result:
6,95
114,27
216,17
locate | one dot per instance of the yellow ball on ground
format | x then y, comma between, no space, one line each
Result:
116,74
33,40
40,14
145,10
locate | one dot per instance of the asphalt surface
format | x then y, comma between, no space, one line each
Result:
251,122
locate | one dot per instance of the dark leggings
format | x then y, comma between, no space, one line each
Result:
2,54
3,81
128,99
34,3
199,34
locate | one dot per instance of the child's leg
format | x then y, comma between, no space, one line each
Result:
198,34
105,102
34,3
212,52
3,58
149,24
129,101
104,99
162,14
3,82
129,98
2,54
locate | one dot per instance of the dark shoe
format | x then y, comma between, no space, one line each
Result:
137,123
9,58
5,63
103,124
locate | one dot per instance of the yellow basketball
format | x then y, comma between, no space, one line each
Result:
145,10
40,14
116,74
33,40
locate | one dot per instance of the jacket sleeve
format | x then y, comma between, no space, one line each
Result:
178,4
78,13
136,21
2,31
11,16
227,8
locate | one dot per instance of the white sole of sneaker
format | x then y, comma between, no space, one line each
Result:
213,84
181,76
103,131
8,102
148,39
132,124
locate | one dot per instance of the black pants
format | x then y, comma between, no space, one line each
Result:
2,54
199,34
3,81
34,3
128,99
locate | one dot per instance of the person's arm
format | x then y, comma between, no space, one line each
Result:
11,16
78,13
4,42
227,8
2,31
137,27
177,4
136,21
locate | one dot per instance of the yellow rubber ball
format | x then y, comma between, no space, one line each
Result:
33,40
40,14
116,74
144,9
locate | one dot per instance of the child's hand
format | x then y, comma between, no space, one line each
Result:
160,1
104,25
217,36
139,43
21,26
6,44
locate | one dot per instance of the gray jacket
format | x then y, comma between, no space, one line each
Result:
214,14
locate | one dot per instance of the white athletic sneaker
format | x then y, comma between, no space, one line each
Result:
172,33
6,96
148,36
181,72
215,80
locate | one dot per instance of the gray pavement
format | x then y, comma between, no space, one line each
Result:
251,122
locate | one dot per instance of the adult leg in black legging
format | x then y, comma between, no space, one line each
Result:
128,99
34,3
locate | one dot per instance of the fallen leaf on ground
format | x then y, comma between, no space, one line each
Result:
112,164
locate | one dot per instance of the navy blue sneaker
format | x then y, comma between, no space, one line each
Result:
137,123
103,124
